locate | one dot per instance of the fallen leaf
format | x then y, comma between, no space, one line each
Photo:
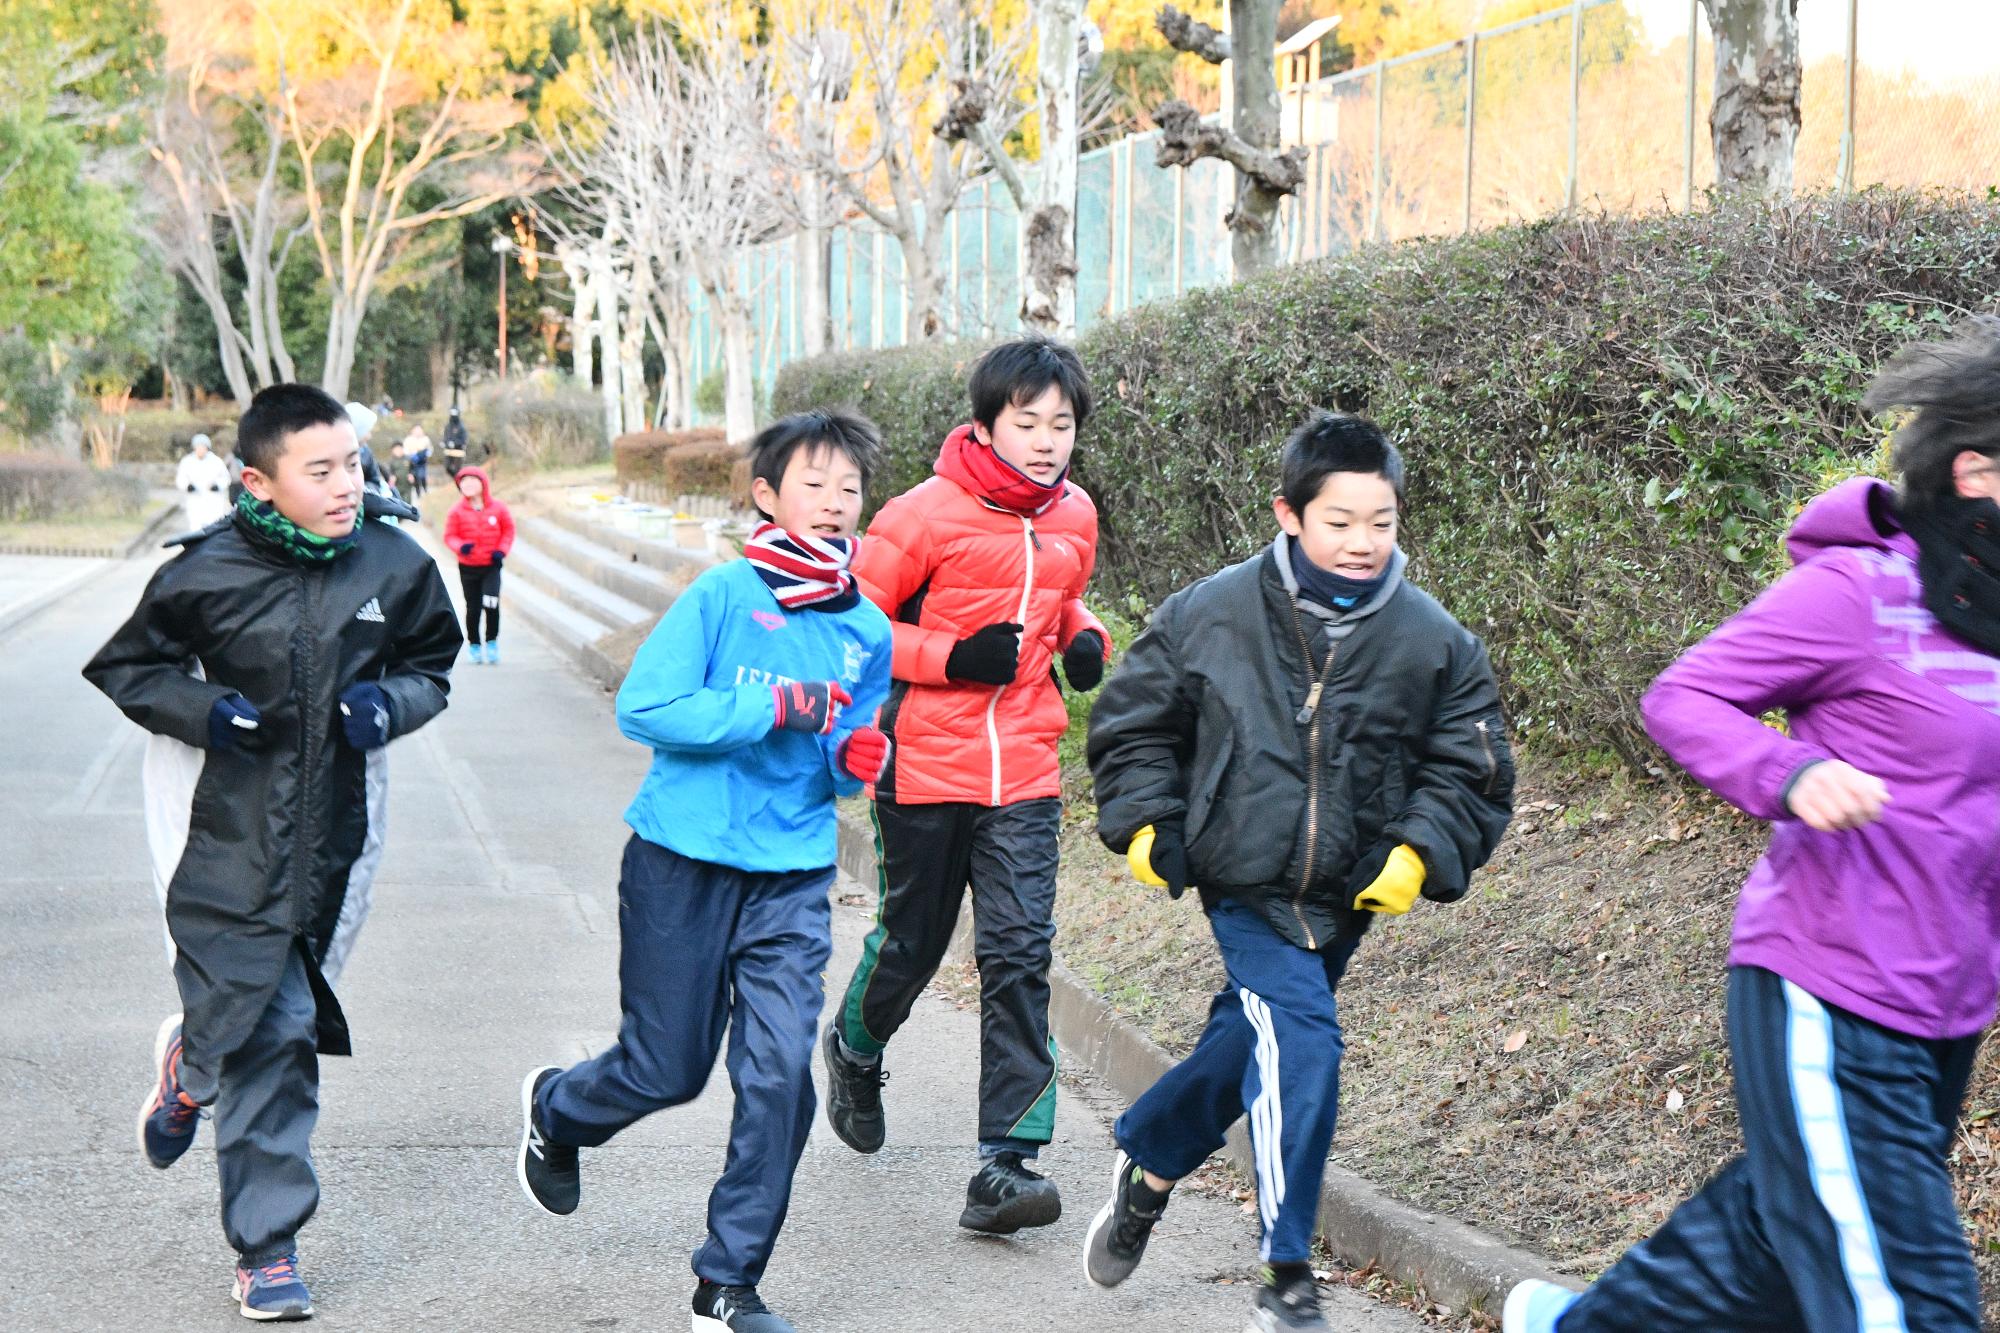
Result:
1516,1040
1674,1100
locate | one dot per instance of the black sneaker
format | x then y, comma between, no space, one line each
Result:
1118,1235
853,1094
1006,1196
1287,1305
548,1171
737,1309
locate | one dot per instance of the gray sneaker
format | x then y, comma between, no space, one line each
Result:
1118,1234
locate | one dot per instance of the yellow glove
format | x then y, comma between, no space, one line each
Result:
1158,858
1393,891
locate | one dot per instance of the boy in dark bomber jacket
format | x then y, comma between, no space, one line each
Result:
283,648
1311,740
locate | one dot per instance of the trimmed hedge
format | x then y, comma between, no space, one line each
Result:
642,455
701,467
1608,421
36,487
163,436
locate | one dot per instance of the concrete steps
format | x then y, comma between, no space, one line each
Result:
531,564
651,552
646,585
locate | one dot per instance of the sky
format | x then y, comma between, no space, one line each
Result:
1948,40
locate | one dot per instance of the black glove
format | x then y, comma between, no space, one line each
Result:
1083,661
233,723
991,656
500,558
1165,860
465,548
190,488
364,715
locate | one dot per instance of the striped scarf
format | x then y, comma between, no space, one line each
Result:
800,570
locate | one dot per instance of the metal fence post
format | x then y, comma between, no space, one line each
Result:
1375,199
957,301
1180,221
1471,99
985,254
1694,76
875,306
1123,239
1571,189
1847,141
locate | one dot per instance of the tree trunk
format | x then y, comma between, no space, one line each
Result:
924,318
581,330
343,330
1253,81
228,348
1755,119
632,349
815,256
739,367
1048,234
605,280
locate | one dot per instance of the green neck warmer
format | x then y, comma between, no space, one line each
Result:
263,524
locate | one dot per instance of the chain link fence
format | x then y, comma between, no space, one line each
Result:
1590,105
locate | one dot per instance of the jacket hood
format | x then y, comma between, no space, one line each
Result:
485,486
1859,513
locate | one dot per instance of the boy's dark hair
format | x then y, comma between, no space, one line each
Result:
1954,385
847,433
1021,371
1333,442
277,413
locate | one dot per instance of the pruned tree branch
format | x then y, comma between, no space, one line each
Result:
1185,138
1192,35
967,118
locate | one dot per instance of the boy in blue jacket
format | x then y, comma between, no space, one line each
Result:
758,693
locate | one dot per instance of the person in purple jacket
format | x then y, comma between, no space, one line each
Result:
1866,952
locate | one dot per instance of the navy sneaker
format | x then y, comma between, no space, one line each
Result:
548,1172
1536,1307
273,1292
853,1093
1006,1196
720,1309
167,1118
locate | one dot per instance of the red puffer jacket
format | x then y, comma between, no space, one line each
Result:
489,529
942,562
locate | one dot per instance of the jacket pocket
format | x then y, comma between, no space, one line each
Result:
1206,786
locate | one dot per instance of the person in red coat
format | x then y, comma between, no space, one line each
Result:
982,570
480,532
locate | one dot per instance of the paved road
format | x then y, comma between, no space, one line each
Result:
492,946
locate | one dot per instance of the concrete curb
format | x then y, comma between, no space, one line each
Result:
22,612
1456,1264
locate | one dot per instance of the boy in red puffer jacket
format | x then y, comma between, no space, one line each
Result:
982,570
480,532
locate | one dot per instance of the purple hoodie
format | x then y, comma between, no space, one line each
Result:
1898,922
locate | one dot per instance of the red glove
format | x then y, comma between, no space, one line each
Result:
811,708
865,753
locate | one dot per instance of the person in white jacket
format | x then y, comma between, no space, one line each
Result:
203,482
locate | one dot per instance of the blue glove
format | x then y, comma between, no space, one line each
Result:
364,715
233,722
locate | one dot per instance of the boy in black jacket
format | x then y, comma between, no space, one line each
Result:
1311,740
275,657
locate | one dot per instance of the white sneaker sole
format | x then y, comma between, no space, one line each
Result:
160,1040
267,1316
527,1124
1120,1164
1514,1314
703,1324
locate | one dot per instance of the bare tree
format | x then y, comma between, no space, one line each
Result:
1264,175
893,148
681,119
407,111
1754,121
217,146
575,262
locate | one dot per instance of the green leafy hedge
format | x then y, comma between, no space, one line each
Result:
1608,421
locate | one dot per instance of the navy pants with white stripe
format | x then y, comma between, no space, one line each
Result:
1838,1217
1272,1047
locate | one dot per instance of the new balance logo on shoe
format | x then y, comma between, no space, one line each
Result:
372,611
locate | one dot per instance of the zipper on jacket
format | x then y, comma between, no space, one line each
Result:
305,690
1492,761
1032,544
1309,718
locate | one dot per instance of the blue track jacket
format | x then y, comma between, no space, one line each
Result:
724,787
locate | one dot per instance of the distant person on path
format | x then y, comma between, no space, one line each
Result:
1311,741
1862,966
480,532
757,693
982,569
417,448
455,440
398,474
273,659
202,479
